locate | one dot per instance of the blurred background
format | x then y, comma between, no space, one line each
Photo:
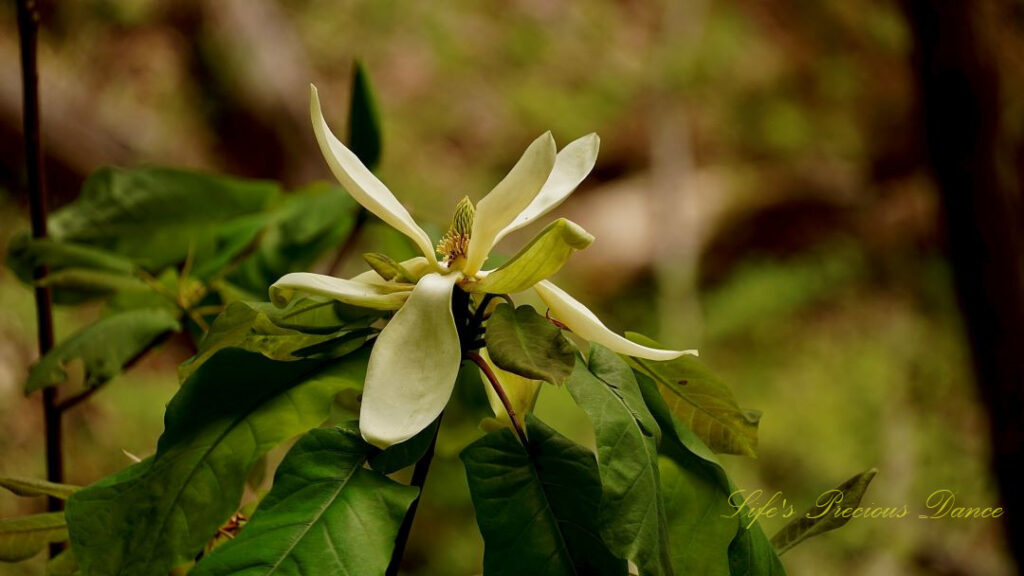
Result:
762,193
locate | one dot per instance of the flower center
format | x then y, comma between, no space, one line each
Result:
455,242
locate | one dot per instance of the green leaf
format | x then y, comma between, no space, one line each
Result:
23,537
701,401
701,523
250,326
232,410
308,223
157,216
78,273
34,487
104,346
537,510
523,342
405,454
814,522
325,515
541,258
750,554
364,133
633,521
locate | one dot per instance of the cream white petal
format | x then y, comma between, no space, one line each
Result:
413,365
508,199
586,325
572,165
376,296
366,188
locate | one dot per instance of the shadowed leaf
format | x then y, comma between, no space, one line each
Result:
523,342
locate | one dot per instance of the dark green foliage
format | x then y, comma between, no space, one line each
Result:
537,509
325,515
523,342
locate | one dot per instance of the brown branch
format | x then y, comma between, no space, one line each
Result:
493,378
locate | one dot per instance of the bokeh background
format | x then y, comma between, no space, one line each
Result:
761,193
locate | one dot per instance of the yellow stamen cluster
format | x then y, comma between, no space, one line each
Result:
456,241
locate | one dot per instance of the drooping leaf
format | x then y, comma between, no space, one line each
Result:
537,510
405,454
157,216
34,487
703,524
633,520
77,272
751,554
364,133
25,536
308,223
701,401
700,520
232,410
816,521
523,342
251,326
542,257
104,347
325,515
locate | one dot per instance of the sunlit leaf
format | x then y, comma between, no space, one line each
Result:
29,487
817,521
537,510
325,515
104,347
701,401
63,564
232,410
523,342
25,536
633,521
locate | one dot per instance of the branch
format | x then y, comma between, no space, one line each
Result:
493,378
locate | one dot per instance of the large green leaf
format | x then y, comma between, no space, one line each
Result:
364,133
325,515
232,410
63,564
523,342
633,521
701,401
751,554
817,521
537,510
251,326
157,216
34,487
25,536
306,224
701,523
104,347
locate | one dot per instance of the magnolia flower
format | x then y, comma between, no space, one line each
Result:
416,357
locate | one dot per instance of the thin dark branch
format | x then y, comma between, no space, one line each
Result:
419,479
493,378
28,27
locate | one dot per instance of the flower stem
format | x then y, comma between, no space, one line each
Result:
493,378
